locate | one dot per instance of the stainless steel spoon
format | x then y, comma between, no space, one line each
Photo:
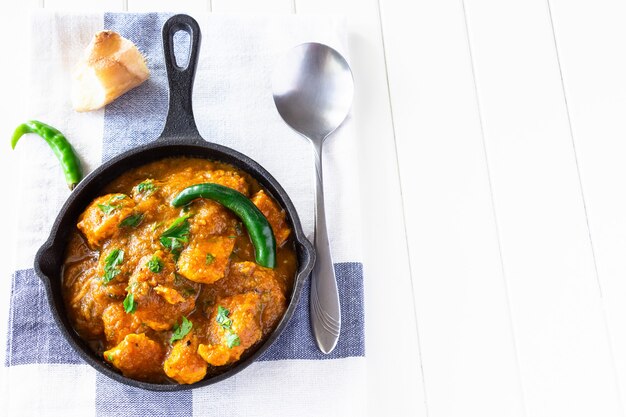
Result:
313,91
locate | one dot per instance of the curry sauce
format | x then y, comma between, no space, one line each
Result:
174,294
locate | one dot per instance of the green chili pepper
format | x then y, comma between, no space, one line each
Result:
258,227
60,146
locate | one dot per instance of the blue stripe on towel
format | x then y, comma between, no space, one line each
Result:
33,336
138,116
114,399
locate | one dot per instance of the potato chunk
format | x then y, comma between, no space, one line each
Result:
183,364
137,357
245,322
274,214
101,219
110,66
205,260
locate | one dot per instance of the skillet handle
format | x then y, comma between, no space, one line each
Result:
180,122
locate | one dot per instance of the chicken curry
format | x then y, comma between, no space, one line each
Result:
173,294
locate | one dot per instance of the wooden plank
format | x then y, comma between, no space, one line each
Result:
559,326
470,368
85,6
591,42
253,6
184,6
394,376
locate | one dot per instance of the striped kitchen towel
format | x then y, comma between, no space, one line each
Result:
233,106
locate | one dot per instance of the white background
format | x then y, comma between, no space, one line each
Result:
493,175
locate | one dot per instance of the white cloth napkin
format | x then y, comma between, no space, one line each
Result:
233,106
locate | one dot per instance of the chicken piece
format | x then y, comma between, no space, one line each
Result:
102,217
248,276
86,304
274,214
205,260
183,364
231,334
87,297
169,294
161,297
110,66
118,324
228,179
137,356
211,218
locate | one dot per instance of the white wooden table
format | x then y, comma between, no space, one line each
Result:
494,143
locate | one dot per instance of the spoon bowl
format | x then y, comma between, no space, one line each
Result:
313,89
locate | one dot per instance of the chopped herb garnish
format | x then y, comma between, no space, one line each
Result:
129,303
109,208
209,258
110,357
111,263
175,235
132,221
182,330
155,264
232,338
222,317
146,186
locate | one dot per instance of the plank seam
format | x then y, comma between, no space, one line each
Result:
584,202
493,208
406,238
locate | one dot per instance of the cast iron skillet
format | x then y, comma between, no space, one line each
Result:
180,137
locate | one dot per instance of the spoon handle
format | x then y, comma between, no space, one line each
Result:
324,303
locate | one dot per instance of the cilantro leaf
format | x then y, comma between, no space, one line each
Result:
209,258
222,317
111,263
155,264
109,208
146,186
182,330
132,221
175,235
232,338
129,303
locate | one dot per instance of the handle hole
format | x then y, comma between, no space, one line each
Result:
182,48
